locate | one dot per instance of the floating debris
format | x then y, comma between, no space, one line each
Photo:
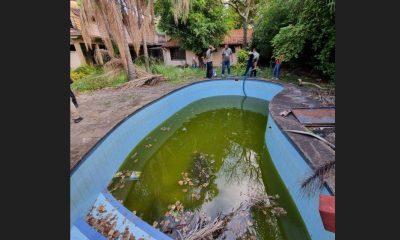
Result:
165,129
148,145
135,175
196,225
123,176
184,129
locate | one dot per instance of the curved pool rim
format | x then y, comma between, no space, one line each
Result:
88,153
280,136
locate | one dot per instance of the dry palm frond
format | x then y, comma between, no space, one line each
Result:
108,16
315,181
100,54
180,9
133,25
115,64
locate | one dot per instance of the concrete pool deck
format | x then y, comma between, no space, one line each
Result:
102,110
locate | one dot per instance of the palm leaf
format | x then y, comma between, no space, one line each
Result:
314,182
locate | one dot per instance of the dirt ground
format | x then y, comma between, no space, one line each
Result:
103,109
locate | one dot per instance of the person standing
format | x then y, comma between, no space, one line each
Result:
194,62
226,60
209,61
277,68
249,64
253,72
74,105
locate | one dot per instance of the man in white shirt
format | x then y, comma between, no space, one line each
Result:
226,60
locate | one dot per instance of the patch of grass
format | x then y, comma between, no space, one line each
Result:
83,71
97,81
177,75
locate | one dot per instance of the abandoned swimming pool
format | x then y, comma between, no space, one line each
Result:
165,154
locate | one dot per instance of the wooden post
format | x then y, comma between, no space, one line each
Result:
78,49
99,55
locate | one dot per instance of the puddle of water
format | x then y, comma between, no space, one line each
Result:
224,135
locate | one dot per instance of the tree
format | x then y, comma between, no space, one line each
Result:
315,26
302,30
272,15
205,24
139,23
118,21
246,10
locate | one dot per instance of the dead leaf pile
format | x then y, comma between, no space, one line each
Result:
105,224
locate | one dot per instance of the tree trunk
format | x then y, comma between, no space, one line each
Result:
131,68
245,44
99,55
201,63
140,23
146,54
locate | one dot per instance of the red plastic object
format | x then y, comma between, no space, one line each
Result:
327,211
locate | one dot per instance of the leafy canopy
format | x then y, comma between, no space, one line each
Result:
206,24
301,30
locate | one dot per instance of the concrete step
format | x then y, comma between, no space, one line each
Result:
123,218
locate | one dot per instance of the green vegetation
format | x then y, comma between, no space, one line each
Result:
93,78
83,71
177,75
302,30
205,25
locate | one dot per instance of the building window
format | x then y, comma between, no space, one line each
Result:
177,54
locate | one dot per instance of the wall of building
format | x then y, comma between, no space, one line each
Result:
168,61
217,58
74,60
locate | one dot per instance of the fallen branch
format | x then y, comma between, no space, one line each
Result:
301,83
313,135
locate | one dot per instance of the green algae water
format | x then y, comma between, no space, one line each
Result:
226,136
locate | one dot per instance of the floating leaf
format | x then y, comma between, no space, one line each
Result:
101,209
265,212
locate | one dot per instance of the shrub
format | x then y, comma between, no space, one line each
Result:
83,71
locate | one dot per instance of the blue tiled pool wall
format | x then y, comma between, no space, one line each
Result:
292,169
98,167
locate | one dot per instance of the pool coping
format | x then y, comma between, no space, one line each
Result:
314,151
